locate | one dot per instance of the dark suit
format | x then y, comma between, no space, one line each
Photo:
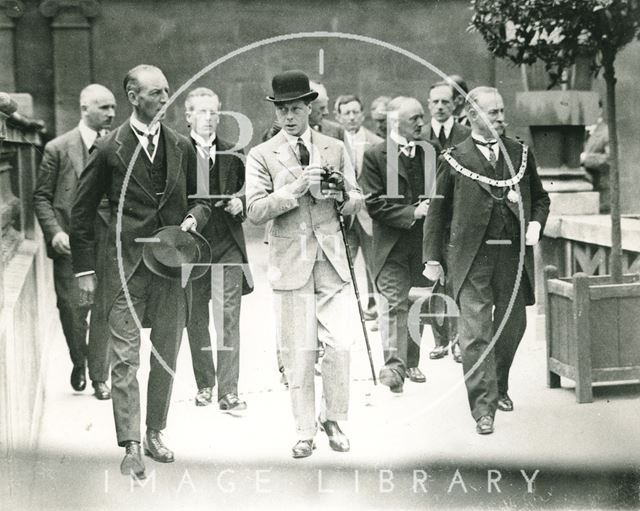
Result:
458,134
483,275
224,233
156,196
397,248
448,330
63,161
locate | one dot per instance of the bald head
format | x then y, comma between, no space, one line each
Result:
97,106
407,117
320,105
485,110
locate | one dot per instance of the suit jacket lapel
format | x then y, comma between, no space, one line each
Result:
76,154
173,161
128,143
222,161
286,156
515,155
471,158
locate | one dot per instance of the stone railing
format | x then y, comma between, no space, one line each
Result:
582,243
27,301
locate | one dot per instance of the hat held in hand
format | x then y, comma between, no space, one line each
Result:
172,248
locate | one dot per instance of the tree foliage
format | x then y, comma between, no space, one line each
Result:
556,32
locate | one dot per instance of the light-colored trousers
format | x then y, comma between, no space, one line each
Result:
325,309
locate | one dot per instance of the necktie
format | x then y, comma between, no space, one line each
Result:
493,160
442,138
303,152
99,133
151,147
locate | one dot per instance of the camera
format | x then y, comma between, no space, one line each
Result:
332,183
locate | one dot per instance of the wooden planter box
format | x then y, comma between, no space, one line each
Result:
592,330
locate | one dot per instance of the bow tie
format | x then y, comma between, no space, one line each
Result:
409,149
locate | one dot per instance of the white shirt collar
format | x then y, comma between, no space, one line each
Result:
357,136
201,141
142,127
293,141
495,148
87,134
408,147
448,126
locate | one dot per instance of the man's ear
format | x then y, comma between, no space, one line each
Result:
132,97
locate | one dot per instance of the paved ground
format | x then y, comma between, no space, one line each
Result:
411,451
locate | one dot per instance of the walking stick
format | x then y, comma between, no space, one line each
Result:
343,230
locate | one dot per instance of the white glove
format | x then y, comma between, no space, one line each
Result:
532,236
433,271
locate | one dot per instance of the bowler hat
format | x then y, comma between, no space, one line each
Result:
290,86
172,248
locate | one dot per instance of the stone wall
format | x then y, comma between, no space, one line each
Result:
28,319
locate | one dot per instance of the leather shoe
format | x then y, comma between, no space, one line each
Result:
392,379
370,315
155,449
416,375
484,426
132,464
337,439
204,396
303,448
231,403
100,390
504,403
457,354
78,378
438,352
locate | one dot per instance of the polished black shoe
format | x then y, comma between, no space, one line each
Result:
392,379
132,464
484,426
204,396
78,378
303,448
438,352
504,403
337,439
370,315
101,391
231,403
155,449
456,353
416,375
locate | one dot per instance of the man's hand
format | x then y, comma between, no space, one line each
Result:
60,243
233,206
421,210
87,286
433,271
310,178
532,236
189,224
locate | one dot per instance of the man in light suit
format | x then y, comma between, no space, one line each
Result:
63,161
481,191
357,138
318,119
445,131
308,268
227,283
160,184
397,233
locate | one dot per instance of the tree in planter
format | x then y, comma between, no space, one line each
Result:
558,32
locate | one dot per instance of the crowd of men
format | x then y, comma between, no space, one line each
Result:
129,214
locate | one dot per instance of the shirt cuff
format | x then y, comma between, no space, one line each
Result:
83,273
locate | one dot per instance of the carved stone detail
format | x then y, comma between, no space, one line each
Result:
11,8
52,8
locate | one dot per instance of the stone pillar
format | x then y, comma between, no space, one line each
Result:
557,120
9,10
71,54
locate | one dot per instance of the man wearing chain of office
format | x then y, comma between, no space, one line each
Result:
490,198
